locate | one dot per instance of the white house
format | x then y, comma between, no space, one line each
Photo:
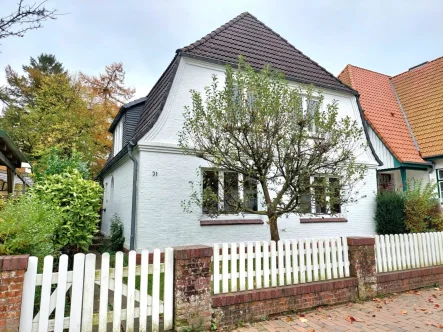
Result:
147,176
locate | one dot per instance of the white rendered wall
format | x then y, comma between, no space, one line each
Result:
120,202
381,150
165,174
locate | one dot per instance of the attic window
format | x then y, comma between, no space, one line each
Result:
118,137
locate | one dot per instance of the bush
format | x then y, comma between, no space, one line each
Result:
117,238
422,209
79,201
27,226
389,212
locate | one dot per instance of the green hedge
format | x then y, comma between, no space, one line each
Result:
389,212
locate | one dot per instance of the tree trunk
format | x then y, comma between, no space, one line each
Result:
274,228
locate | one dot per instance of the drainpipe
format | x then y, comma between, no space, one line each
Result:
134,194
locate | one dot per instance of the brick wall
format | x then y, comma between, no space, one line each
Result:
12,269
248,306
400,281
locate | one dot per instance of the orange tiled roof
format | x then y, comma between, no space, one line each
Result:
420,91
382,111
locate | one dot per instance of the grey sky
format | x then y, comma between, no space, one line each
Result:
388,36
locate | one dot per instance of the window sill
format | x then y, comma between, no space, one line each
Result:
321,220
223,222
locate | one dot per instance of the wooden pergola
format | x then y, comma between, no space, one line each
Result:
12,158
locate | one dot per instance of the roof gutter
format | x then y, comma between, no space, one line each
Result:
365,129
134,194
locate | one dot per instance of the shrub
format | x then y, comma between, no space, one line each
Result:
422,212
79,201
389,212
55,163
27,226
117,238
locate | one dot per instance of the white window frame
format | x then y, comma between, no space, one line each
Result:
220,177
118,137
439,176
312,194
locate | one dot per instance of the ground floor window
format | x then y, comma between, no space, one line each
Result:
228,192
440,183
322,196
384,181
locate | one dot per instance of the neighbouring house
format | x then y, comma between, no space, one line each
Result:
404,115
147,176
14,168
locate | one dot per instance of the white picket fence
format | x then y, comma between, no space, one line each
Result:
255,265
81,282
408,251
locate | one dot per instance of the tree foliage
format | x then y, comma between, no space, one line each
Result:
47,107
257,125
79,201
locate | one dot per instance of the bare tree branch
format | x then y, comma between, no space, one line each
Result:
25,18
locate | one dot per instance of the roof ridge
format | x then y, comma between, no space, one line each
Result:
420,67
214,32
372,71
297,50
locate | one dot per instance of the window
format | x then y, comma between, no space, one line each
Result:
322,196
223,192
385,181
118,137
311,107
440,183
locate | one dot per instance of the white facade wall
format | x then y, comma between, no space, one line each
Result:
381,150
165,175
118,200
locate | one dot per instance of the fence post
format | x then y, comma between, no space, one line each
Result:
12,274
362,265
192,287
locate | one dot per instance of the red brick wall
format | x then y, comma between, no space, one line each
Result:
12,269
248,306
394,282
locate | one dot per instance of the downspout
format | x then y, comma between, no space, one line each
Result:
134,194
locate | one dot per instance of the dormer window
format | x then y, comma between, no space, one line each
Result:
118,137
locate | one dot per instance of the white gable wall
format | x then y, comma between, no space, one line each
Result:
381,150
165,174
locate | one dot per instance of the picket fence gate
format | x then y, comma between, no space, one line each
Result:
408,251
83,279
256,265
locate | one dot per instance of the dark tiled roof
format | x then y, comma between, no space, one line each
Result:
260,46
244,35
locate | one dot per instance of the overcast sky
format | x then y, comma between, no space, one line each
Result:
387,36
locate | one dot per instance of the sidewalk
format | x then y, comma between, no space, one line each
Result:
420,310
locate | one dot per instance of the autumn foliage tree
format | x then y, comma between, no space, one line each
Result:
273,136
47,107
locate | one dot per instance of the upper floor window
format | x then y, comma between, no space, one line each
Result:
224,192
118,137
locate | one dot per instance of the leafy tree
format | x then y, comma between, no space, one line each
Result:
256,125
105,94
79,201
54,163
25,18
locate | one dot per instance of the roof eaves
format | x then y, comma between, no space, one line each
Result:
112,161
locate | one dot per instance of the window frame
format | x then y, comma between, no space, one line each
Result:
439,178
118,137
221,195
312,194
